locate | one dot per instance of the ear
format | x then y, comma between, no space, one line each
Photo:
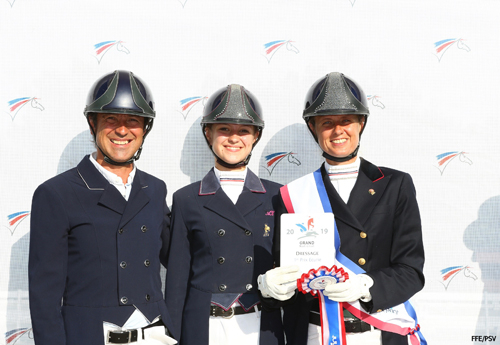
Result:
311,127
208,134
256,135
92,125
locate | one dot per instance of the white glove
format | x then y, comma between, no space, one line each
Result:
279,283
356,287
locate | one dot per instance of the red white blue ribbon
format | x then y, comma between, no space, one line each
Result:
331,312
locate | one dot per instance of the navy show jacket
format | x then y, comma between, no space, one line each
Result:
95,256
218,249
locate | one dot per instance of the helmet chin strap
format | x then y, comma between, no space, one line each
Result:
341,159
130,161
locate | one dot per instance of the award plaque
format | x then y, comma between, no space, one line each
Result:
307,240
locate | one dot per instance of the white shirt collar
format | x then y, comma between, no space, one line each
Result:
115,180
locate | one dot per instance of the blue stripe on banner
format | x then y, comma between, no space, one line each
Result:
327,207
333,315
413,314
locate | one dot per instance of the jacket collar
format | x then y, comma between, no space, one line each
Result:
110,197
210,183
218,202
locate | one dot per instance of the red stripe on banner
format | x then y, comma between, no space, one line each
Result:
286,199
100,50
444,160
342,325
447,275
274,160
13,221
188,104
444,46
15,106
269,50
384,326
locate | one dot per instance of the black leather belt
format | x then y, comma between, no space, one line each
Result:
218,311
351,326
128,336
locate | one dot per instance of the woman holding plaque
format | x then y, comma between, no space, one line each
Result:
222,234
379,228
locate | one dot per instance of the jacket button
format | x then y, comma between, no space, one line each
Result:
361,261
147,263
221,260
249,287
120,231
148,298
144,228
248,259
222,287
221,232
362,234
124,300
248,232
123,264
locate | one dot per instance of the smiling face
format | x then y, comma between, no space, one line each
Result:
232,143
338,135
119,136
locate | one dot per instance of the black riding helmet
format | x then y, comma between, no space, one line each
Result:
336,94
235,105
121,92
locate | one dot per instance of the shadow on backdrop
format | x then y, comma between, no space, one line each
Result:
76,149
289,154
482,236
196,157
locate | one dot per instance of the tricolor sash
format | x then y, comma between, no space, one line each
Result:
308,195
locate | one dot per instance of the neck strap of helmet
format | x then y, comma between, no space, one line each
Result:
341,159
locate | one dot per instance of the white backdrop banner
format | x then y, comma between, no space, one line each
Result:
430,70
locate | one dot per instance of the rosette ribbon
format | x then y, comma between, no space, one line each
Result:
331,314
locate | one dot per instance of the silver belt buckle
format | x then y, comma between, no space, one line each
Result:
129,336
230,315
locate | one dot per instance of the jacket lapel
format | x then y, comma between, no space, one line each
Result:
248,200
94,181
137,199
219,202
367,191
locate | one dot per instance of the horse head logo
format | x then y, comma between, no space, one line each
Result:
442,46
15,219
444,159
103,47
271,48
188,103
309,229
16,104
448,273
376,101
275,158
